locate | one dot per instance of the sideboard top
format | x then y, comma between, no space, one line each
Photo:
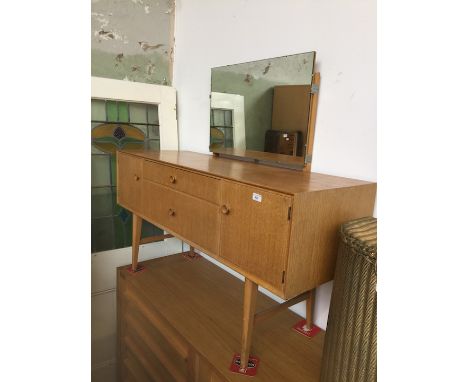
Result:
273,178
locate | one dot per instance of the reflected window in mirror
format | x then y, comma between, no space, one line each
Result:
262,106
221,128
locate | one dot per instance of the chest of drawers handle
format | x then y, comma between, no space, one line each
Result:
225,209
136,177
172,179
171,212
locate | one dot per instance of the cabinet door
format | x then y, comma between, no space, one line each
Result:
255,230
129,174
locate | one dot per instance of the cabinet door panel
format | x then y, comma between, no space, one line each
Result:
129,176
255,230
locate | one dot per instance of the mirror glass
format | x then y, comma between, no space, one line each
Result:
262,107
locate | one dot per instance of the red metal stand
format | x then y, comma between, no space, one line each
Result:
191,255
301,327
251,369
140,268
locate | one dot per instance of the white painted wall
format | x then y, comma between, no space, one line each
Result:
211,33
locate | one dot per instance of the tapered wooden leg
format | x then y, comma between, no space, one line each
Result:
250,298
306,327
136,236
310,302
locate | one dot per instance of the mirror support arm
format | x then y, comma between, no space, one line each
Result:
312,119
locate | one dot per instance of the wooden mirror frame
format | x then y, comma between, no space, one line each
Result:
313,105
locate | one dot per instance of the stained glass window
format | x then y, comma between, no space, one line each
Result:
221,132
115,125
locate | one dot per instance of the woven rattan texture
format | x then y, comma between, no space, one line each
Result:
350,351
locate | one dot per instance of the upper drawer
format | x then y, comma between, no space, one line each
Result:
201,186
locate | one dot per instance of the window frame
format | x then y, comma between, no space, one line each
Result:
139,92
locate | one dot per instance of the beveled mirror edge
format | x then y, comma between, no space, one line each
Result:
272,159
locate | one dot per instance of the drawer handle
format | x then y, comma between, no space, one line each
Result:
172,179
225,210
136,177
171,212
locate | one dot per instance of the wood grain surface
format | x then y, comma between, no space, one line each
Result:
286,242
129,176
313,106
316,218
201,186
197,309
181,213
254,235
276,179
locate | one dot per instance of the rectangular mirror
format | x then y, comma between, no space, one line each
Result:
260,109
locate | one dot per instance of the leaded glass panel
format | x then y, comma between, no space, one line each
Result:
116,125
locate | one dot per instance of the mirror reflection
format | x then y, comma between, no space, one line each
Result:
262,105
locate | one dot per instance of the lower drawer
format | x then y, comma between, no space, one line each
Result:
186,216
132,371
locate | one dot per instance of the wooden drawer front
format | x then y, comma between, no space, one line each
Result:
152,349
201,186
131,370
157,350
129,177
255,230
191,218
204,371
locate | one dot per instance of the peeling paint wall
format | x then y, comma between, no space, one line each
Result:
132,40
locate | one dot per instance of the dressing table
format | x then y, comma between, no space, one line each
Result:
277,227
249,205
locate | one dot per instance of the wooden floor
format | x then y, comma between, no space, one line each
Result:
203,304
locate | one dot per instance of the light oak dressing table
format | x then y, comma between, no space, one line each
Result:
277,227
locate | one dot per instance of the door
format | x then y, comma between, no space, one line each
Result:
129,179
255,230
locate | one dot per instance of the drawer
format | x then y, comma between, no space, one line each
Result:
191,218
199,185
129,174
158,351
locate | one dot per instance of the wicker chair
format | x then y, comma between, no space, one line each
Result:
350,351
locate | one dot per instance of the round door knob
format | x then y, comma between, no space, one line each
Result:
171,212
225,210
136,177
172,179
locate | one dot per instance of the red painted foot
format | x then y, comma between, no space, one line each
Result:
140,268
251,369
191,255
301,327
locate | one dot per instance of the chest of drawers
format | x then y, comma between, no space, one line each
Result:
277,227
